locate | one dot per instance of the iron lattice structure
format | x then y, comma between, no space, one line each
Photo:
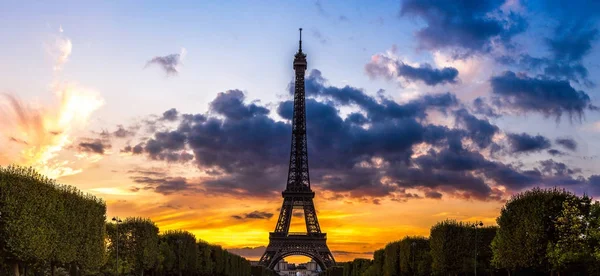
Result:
298,194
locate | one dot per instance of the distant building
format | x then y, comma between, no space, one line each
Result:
284,268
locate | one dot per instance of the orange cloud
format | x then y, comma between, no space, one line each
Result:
42,132
35,134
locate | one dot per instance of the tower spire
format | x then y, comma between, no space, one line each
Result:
300,48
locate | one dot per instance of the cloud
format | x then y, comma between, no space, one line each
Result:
320,8
170,115
388,68
465,27
571,43
121,132
433,194
481,131
594,185
254,215
165,185
567,143
94,146
169,63
555,152
316,85
379,150
553,168
167,145
552,98
568,41
524,143
45,130
551,67
60,50
137,149
481,106
230,104
319,36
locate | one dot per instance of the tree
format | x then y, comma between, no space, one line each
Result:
485,236
357,267
139,248
414,257
183,245
451,242
594,238
391,266
39,224
526,227
204,262
166,258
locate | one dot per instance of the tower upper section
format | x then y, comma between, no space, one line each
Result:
300,58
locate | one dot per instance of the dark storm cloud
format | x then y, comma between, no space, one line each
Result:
379,67
525,143
551,67
121,132
376,111
165,185
427,74
550,174
254,215
433,194
594,185
551,167
513,178
552,98
170,115
481,106
137,149
94,146
168,140
567,143
575,72
570,40
230,104
356,118
571,43
463,25
253,149
481,130
168,63
249,151
555,152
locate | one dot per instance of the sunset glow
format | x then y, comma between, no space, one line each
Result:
181,113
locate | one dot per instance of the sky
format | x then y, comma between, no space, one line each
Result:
417,111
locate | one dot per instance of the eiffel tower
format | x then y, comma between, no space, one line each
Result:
297,194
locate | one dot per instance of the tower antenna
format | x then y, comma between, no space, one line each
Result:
300,39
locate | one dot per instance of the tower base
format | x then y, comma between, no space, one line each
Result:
282,245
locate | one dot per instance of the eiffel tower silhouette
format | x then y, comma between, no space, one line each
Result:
297,194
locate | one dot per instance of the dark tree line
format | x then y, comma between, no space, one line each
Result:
539,232
548,231
52,229
44,225
143,251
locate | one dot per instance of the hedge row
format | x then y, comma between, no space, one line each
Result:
540,232
48,229
44,225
